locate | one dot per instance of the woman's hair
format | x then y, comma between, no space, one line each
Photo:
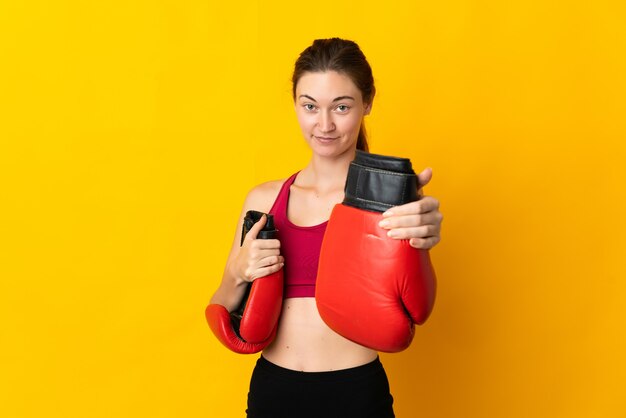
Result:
344,57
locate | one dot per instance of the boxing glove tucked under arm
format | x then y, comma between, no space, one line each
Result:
252,326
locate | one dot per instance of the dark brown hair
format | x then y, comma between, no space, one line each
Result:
342,56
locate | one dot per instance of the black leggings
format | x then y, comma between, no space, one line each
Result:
359,392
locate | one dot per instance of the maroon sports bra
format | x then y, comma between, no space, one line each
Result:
299,245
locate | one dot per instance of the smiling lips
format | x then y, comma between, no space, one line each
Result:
325,138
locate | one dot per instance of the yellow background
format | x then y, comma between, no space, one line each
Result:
130,132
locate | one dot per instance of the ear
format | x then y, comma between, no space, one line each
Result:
368,108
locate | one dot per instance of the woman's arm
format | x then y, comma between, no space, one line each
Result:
255,258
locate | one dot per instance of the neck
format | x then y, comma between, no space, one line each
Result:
327,173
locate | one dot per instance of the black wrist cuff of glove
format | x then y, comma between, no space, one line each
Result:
252,217
379,182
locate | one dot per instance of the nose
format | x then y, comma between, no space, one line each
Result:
325,122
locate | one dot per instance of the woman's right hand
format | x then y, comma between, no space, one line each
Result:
257,257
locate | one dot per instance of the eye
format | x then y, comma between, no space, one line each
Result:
343,108
310,107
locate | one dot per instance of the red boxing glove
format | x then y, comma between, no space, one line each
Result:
252,326
370,288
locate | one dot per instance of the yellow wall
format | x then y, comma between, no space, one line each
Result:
131,131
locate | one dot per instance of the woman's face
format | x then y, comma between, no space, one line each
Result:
330,109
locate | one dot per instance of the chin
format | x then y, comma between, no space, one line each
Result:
330,151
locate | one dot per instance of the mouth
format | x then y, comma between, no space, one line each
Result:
326,138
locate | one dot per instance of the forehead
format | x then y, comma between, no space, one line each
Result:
326,85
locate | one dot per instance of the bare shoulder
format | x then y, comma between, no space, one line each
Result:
262,196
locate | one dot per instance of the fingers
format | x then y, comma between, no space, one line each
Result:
424,177
419,222
256,255
264,266
424,243
270,261
262,248
263,272
262,256
254,243
254,231
424,205
414,232
407,221
264,244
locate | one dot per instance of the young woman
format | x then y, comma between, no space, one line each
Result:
309,370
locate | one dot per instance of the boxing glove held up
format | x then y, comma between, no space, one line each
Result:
252,326
370,288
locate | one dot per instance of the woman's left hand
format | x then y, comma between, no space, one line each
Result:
419,222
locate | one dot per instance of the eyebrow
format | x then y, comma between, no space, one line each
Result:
336,99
